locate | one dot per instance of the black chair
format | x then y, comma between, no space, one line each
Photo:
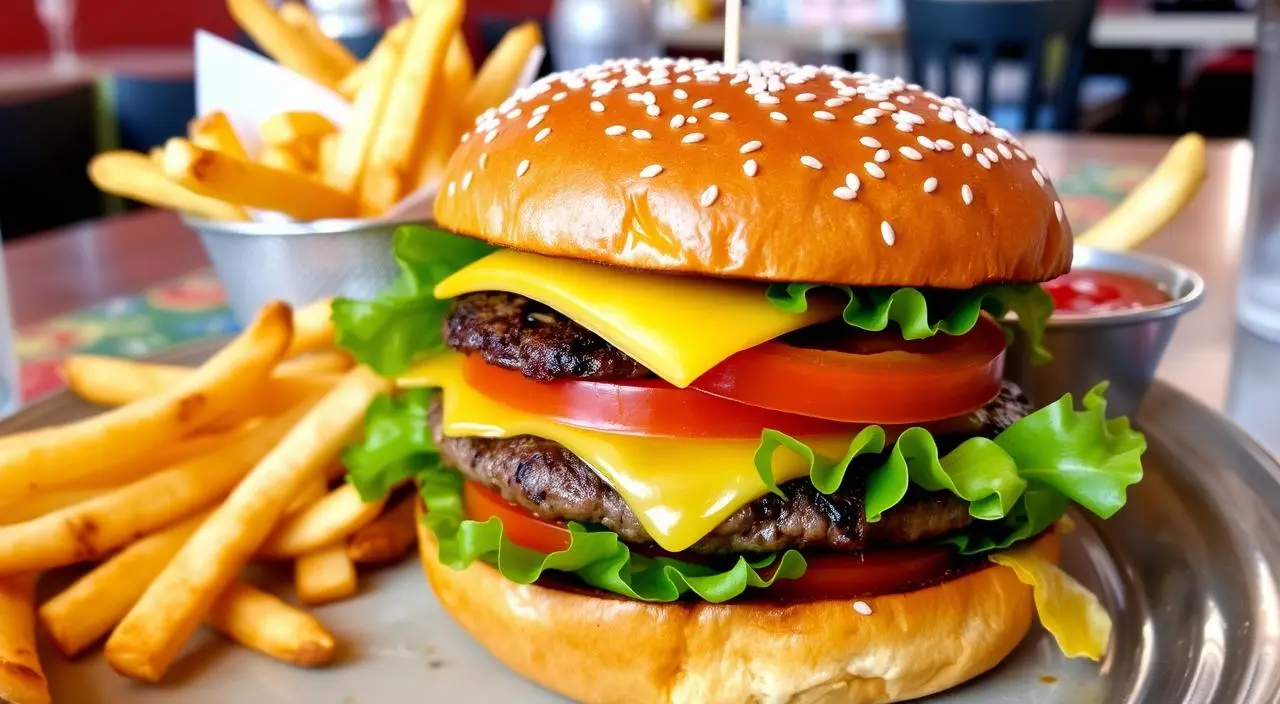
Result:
149,111
45,143
946,33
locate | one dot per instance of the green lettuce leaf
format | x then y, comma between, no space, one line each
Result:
598,557
921,314
403,323
397,442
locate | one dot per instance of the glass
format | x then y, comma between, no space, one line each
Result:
59,20
1259,296
10,388
584,32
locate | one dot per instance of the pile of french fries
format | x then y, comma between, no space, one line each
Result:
411,102
191,475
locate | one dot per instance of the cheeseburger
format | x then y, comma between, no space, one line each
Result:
701,388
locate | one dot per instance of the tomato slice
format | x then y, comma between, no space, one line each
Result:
860,377
830,576
645,407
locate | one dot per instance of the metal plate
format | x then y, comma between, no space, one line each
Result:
1188,570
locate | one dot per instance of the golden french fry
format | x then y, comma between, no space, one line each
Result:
283,159
388,539
41,504
290,127
95,603
283,42
137,176
89,530
322,362
296,15
327,521
500,73
22,680
324,576
146,642
261,622
370,102
326,153
401,131
156,154
311,493
355,78
447,123
241,181
230,379
214,131
312,328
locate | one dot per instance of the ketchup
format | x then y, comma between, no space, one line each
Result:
1084,292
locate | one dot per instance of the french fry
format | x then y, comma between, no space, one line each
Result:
288,128
327,521
389,538
326,153
313,328
137,176
357,136
311,493
247,183
261,622
214,131
95,603
324,576
322,362
79,450
282,159
156,154
447,125
146,642
296,15
89,530
22,680
41,504
401,131
500,72
283,42
355,78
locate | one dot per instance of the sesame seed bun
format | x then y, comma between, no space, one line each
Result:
768,171
596,648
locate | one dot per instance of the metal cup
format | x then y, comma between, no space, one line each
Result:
297,262
1124,347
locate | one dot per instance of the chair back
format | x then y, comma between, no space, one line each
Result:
940,32
149,110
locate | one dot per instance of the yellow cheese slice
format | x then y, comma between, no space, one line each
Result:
1072,613
679,488
677,326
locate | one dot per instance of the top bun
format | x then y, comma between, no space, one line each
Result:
766,171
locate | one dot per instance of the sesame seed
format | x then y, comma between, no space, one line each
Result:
559,96
1004,151
845,193
926,143
1057,210
904,127
886,105
750,167
522,168
824,115
874,169
780,117
905,100
653,110
693,138
806,98
753,145
466,180
864,119
490,136
650,171
967,149
615,130
542,134
484,159
537,119
870,142
514,114
882,155
636,97
930,184
466,137
452,189
1035,173
541,109
597,106
810,162
945,145
862,607
677,122
836,102
681,94
659,81
886,233
984,161
852,181
1021,154
705,102
709,196
873,112
991,154
641,134
767,99
911,153
966,194
684,79
720,116
649,98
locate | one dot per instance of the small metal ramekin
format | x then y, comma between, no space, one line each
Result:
297,262
1124,346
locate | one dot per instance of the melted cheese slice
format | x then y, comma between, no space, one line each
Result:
679,489
677,326
1072,613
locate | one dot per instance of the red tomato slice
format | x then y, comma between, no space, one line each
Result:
645,407
861,377
827,576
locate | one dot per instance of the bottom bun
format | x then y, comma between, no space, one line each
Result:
599,648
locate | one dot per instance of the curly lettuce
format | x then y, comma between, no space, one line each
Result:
925,313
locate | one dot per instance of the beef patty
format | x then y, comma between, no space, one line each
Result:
552,482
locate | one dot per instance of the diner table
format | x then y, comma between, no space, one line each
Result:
138,283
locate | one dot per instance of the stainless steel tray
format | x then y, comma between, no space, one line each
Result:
1188,570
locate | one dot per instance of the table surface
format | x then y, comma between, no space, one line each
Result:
85,264
1112,29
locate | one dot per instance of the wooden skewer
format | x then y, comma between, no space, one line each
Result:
732,32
